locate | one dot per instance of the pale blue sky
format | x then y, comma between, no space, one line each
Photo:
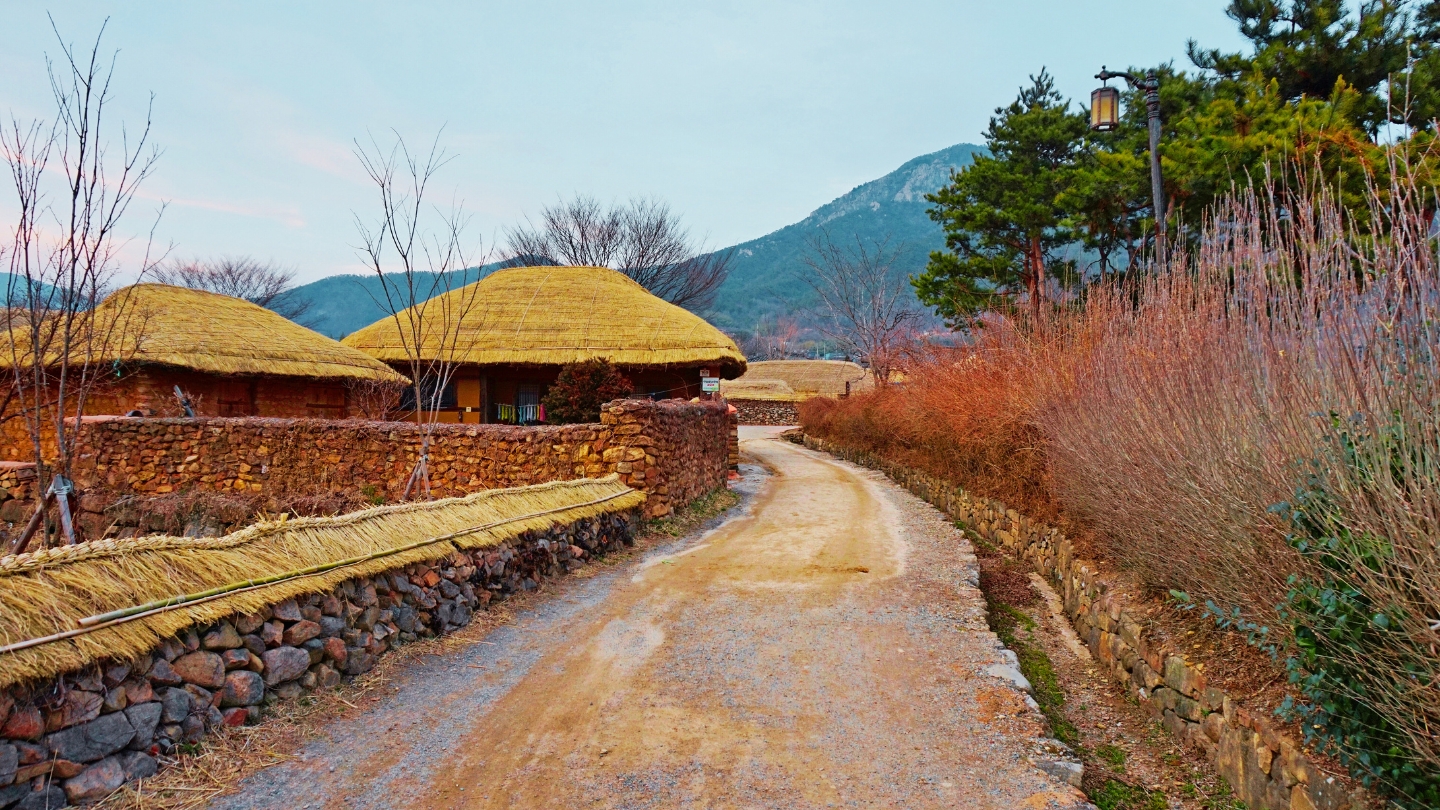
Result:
744,115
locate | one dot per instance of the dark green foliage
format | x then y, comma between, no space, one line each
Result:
1307,46
1005,229
1346,644
1116,795
581,389
1035,665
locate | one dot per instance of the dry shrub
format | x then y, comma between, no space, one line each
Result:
1257,426
962,414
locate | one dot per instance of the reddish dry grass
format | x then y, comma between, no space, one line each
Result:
1170,414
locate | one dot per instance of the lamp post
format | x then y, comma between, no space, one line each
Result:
1105,116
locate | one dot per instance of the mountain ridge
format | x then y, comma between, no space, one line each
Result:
766,273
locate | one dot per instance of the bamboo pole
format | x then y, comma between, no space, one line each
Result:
92,623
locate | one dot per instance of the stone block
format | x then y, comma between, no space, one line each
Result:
144,718
284,664
242,688
175,705
76,707
222,637
287,611
9,761
96,782
1188,709
46,798
301,632
91,741
205,669
138,765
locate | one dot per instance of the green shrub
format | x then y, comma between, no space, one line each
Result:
581,389
1351,655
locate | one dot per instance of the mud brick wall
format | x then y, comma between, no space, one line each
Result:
1266,770
673,450
76,738
765,412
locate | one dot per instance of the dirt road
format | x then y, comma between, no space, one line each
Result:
826,648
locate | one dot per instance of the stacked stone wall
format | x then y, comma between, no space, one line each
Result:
673,450
76,738
1266,769
766,412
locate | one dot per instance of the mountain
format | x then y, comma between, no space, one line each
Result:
766,274
340,305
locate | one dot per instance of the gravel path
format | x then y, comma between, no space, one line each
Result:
826,647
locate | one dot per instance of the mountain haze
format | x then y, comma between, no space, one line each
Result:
766,275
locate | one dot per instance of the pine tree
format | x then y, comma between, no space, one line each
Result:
1005,230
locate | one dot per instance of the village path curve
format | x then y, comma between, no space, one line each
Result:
825,647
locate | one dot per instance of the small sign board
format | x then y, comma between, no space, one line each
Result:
709,385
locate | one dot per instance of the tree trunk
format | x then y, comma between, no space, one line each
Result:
1036,277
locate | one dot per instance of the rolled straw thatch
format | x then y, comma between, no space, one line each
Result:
217,334
808,378
560,315
51,591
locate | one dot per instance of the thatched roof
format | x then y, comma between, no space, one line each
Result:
217,334
767,390
560,315
48,592
806,378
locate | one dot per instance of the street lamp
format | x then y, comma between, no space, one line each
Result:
1105,116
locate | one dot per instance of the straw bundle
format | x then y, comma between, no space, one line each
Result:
811,378
217,334
560,315
51,591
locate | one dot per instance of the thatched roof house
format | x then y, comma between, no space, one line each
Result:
525,323
231,357
795,380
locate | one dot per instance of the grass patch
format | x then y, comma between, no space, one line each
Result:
692,515
1112,755
1220,799
1017,631
1116,795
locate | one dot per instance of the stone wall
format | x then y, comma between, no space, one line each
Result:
1266,770
766,412
76,738
673,450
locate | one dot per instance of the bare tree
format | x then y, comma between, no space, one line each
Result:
643,239
71,195
774,340
413,251
263,283
865,304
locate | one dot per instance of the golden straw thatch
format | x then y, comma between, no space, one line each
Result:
765,390
560,315
217,334
50,591
807,378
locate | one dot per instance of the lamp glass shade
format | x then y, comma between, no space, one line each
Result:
1105,109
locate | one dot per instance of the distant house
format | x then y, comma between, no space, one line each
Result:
770,390
526,323
227,357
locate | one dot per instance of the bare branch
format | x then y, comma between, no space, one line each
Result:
864,300
643,239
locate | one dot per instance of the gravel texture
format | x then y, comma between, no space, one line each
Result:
825,646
